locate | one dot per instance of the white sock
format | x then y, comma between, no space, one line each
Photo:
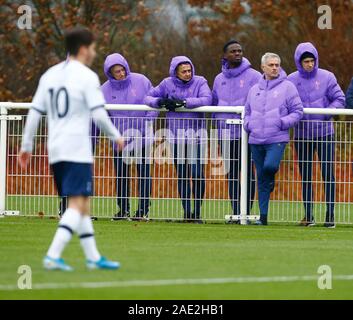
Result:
88,242
67,226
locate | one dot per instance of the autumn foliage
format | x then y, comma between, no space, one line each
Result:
145,37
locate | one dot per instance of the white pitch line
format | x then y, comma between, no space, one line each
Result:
171,282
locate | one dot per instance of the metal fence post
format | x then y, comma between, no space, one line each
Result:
3,146
244,172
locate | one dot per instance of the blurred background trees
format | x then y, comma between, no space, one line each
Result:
149,33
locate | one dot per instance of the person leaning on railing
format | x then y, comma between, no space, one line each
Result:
349,96
318,88
126,87
185,89
231,88
273,106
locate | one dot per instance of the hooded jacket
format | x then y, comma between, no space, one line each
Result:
317,89
131,90
349,96
272,107
231,88
195,92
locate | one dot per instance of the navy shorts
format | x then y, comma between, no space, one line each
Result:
73,179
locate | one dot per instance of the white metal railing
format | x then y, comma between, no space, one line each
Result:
165,200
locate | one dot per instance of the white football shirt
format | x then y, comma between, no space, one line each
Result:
67,93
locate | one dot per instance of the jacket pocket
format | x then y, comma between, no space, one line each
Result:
278,124
250,125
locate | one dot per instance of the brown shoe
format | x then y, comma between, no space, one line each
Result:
307,223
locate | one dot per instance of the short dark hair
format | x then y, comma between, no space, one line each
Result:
77,37
225,47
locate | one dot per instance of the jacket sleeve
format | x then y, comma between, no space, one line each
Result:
204,97
335,94
101,118
295,108
154,95
349,96
247,113
34,116
150,115
256,78
30,129
214,97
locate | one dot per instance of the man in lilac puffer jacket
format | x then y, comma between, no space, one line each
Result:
126,87
273,107
231,88
185,89
318,88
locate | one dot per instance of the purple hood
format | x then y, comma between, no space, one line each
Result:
195,92
131,90
112,60
317,89
176,61
234,72
302,48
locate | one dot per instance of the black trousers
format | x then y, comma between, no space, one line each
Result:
232,156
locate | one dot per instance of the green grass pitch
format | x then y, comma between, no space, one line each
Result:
212,210
236,262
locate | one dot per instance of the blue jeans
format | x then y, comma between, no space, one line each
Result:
187,173
267,158
325,149
123,183
233,175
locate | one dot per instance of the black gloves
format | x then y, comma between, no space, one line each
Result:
178,103
164,103
171,104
